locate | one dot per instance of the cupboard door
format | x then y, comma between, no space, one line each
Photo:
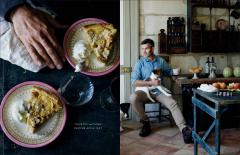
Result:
210,41
233,41
196,41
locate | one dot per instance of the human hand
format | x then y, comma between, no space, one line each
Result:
36,31
155,82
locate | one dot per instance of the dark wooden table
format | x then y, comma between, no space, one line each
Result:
181,82
214,106
72,140
187,85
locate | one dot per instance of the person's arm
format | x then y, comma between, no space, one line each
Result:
36,31
136,78
7,6
143,83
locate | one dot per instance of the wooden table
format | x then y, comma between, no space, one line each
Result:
187,85
73,139
214,106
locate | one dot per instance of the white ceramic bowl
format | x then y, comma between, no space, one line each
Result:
176,71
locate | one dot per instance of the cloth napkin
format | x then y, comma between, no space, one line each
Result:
207,88
11,47
13,50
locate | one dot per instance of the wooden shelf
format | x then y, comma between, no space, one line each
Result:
215,6
181,82
201,40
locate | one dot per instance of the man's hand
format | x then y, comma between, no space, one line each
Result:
36,31
155,82
143,83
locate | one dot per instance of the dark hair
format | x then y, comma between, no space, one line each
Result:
148,41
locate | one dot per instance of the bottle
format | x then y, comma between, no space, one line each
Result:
213,68
213,65
162,44
207,66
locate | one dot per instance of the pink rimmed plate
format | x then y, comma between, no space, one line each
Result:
17,131
76,33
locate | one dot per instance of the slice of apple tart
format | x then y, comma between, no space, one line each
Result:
36,111
100,37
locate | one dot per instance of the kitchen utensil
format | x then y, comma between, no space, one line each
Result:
77,89
110,97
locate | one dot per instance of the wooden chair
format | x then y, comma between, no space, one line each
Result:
163,113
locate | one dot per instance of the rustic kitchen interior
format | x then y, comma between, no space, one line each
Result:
200,41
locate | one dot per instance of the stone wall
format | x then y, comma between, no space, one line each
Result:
153,17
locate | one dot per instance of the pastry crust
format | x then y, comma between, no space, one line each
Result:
100,36
40,107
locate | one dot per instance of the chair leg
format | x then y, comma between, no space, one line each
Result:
160,112
170,119
167,116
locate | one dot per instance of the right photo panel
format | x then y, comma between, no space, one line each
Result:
179,77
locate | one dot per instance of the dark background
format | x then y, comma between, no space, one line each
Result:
71,141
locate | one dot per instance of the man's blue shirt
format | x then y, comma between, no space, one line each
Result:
144,67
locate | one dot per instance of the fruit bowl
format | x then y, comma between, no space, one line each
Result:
195,71
227,87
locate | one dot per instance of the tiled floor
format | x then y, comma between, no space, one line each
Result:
166,140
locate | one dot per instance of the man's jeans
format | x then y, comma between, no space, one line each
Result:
139,98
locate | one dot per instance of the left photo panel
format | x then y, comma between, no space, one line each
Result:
59,77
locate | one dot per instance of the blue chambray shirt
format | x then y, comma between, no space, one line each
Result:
144,67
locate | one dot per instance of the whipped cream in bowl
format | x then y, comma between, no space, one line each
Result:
81,53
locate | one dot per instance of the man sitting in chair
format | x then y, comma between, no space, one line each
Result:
141,79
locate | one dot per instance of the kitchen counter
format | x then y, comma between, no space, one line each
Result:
181,82
186,83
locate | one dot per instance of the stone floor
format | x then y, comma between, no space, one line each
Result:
166,140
